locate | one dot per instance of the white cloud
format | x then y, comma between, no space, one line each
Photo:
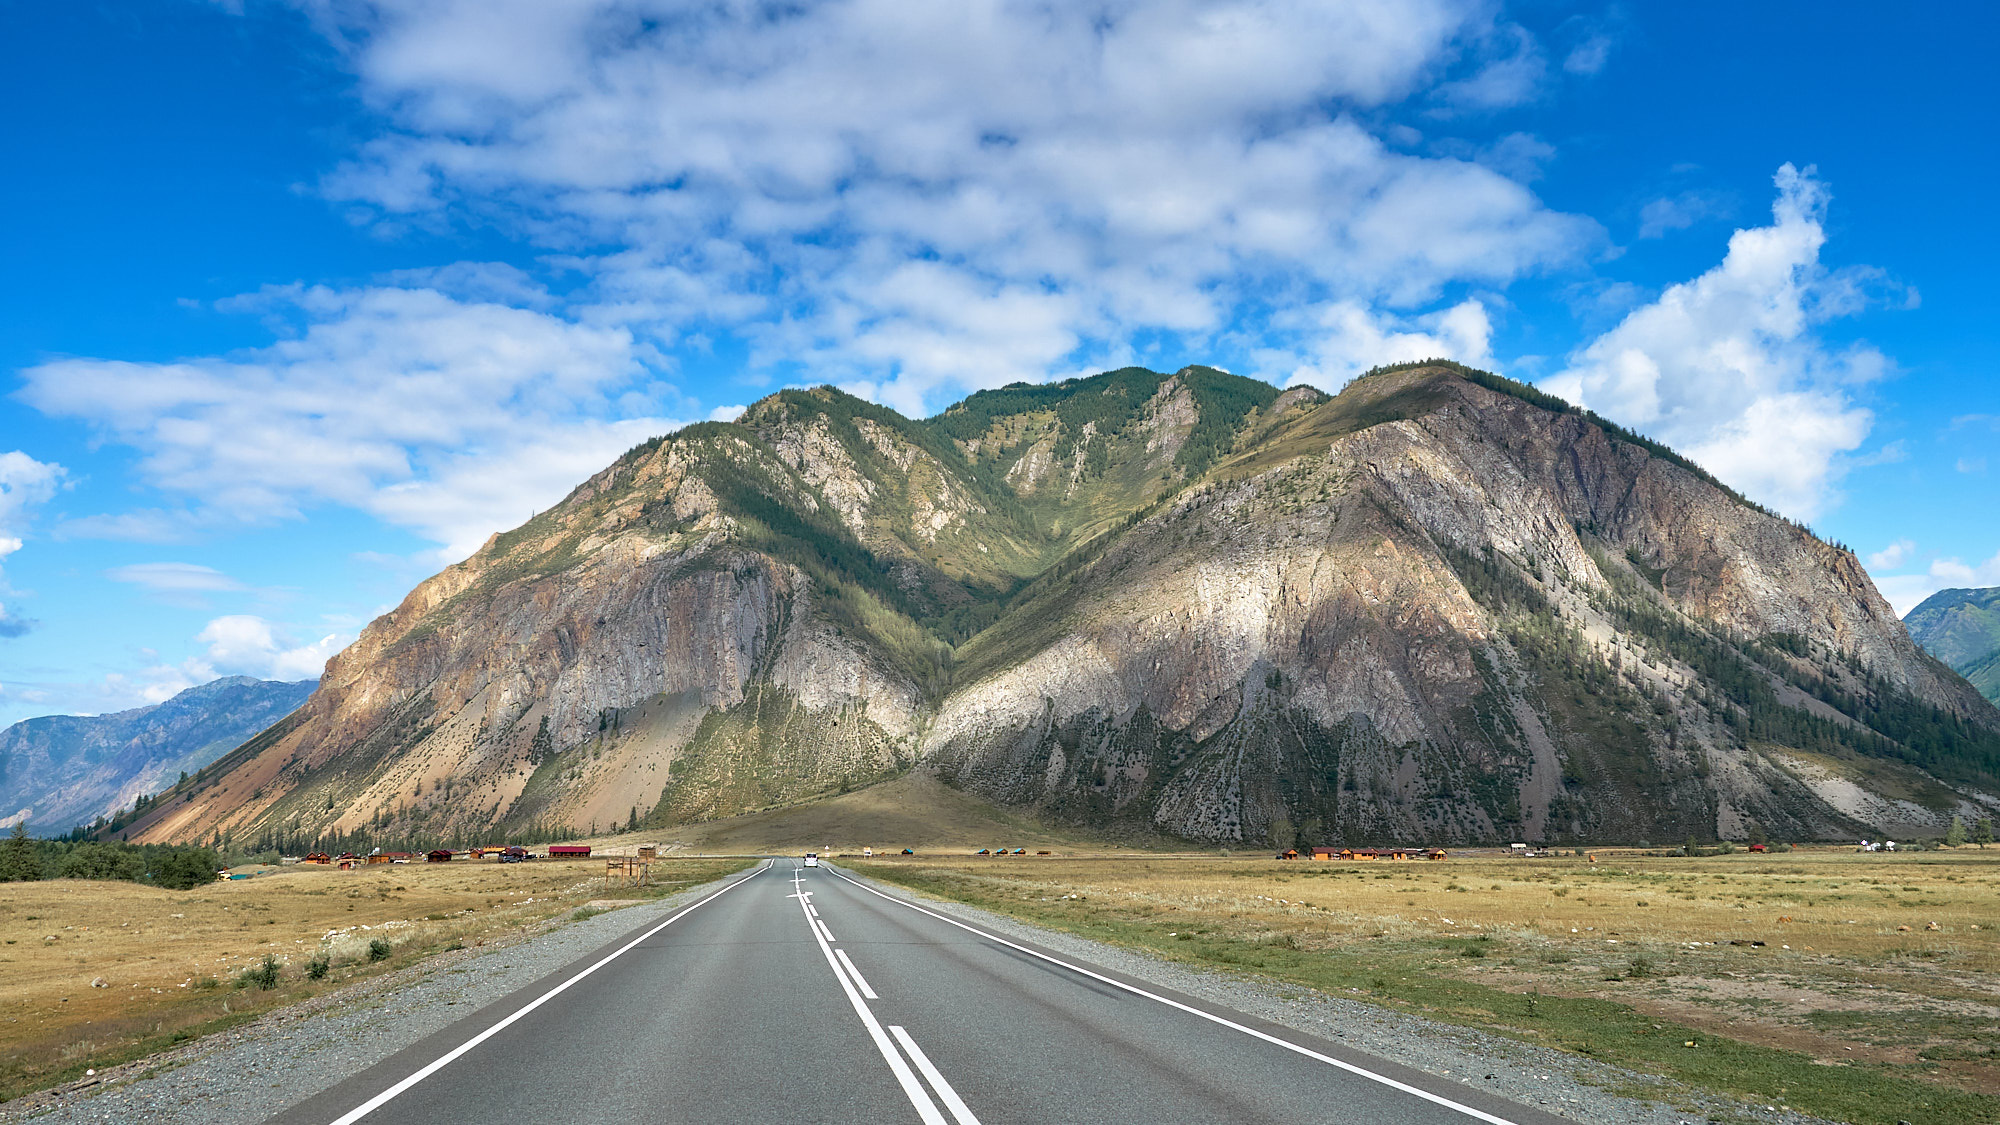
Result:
245,645
872,192
1349,340
1970,465
174,577
1906,591
453,418
1893,556
1589,56
24,484
1728,367
1662,216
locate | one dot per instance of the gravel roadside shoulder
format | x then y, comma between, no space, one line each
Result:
1558,1083
251,1072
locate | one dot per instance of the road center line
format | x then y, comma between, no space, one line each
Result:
383,1098
945,1093
1358,1071
912,1088
859,981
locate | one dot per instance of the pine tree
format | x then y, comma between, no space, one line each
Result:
20,859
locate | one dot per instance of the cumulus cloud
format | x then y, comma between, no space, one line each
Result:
24,484
1349,339
245,645
232,645
1893,556
1906,591
1729,367
909,200
453,418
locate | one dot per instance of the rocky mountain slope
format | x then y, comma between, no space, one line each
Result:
1440,606
1962,628
61,771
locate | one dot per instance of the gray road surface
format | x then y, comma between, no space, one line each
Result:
803,995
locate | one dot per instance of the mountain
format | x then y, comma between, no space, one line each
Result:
60,771
1962,628
1440,606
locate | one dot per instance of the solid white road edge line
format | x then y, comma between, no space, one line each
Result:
383,1098
859,981
1358,1071
945,1093
912,1089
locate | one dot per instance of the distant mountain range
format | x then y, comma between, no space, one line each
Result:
61,771
1441,606
1962,628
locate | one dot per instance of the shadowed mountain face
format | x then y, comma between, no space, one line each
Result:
64,770
1440,607
1962,628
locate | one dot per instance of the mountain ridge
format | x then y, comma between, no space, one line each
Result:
1962,628
60,771
1440,605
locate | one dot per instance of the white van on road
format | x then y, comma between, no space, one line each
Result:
812,859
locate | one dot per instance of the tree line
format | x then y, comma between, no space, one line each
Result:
24,859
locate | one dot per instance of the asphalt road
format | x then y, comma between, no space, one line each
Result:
804,995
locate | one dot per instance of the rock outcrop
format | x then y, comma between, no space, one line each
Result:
1439,607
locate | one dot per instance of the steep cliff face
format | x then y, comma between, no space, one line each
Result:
1438,607
561,675
736,616
1429,610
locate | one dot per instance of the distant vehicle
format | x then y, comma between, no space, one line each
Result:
812,859
516,854
908,851
867,853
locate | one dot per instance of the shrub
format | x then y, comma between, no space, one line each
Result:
316,968
264,976
378,950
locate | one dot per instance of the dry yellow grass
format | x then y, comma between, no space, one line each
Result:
1878,960
167,962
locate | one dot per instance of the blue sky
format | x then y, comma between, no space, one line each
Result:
303,300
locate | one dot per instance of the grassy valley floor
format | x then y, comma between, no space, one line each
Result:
1853,987
98,973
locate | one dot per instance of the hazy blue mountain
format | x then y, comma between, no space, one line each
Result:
59,771
1962,628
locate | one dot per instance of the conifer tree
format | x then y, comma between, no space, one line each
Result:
20,859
